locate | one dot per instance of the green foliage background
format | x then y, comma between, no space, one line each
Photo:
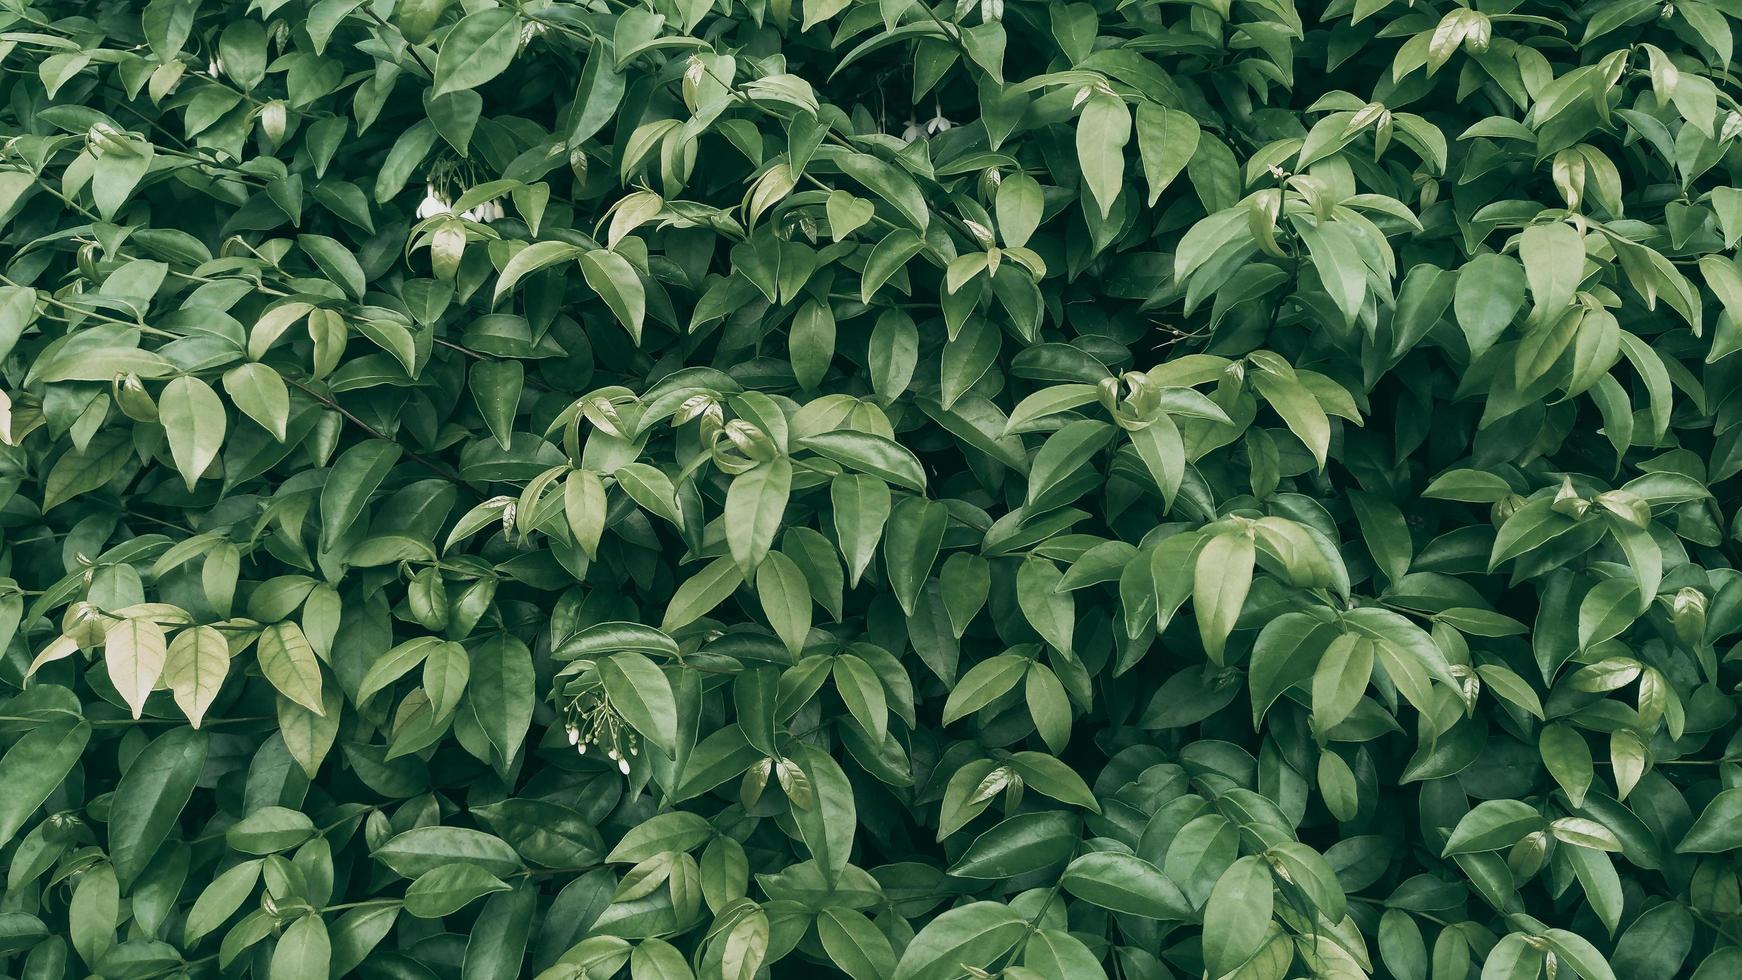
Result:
747,488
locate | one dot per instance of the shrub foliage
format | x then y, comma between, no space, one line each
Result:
740,487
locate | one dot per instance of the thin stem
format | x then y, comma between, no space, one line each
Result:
373,432
410,48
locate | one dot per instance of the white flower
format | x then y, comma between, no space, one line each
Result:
623,766
433,204
484,213
931,127
215,67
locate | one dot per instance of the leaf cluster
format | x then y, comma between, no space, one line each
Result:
891,489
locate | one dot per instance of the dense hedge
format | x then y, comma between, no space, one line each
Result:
745,488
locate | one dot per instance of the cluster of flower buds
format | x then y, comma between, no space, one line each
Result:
436,201
487,212
590,721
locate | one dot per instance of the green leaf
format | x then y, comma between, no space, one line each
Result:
855,945
1554,263
973,934
1718,827
886,259
1489,293
502,693
1025,843
677,830
755,504
1103,128
890,184
150,797
1222,577
786,600
1299,409
194,667
305,950
336,261
34,766
532,258
861,507
700,593
418,851
617,283
496,388
354,477
479,48
220,900
827,825
911,542
1493,824
193,421
640,691
1237,915
262,395
984,683
869,453
134,651
655,959
289,663
1050,777
1123,883
269,830
1050,611
545,832
448,889
1167,139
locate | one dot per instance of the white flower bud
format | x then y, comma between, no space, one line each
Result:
432,205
